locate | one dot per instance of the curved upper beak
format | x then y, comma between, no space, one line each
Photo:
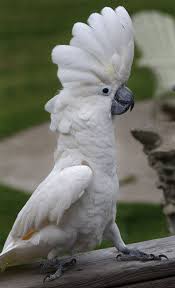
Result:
122,101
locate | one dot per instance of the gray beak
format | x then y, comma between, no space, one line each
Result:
122,101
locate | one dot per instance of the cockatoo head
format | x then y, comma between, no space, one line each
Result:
98,61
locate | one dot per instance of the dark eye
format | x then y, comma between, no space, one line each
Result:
106,91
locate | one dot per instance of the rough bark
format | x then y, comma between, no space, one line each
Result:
159,146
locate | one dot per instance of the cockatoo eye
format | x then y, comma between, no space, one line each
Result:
106,91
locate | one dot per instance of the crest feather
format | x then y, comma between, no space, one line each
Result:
84,38
100,51
77,65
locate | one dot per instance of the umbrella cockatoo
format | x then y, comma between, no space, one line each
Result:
74,208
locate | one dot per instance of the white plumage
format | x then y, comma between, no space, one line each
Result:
47,205
74,207
100,52
155,36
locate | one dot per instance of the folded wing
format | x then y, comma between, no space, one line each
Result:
50,201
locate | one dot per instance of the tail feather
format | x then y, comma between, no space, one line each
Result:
23,252
5,260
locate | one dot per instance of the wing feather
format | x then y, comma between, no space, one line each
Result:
52,198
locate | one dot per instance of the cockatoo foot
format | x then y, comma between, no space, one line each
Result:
59,268
50,265
137,255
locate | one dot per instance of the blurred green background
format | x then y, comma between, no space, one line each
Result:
28,31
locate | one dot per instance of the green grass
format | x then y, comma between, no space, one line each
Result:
137,222
29,30
11,203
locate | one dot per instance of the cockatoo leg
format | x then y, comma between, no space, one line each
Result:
127,254
58,267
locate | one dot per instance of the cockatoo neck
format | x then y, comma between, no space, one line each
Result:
91,131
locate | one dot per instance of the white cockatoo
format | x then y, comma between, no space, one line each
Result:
155,37
74,208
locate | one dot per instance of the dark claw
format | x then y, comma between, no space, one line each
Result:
73,261
52,277
152,257
158,257
163,256
132,106
47,276
69,264
118,256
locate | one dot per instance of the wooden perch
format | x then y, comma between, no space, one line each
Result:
159,146
99,269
